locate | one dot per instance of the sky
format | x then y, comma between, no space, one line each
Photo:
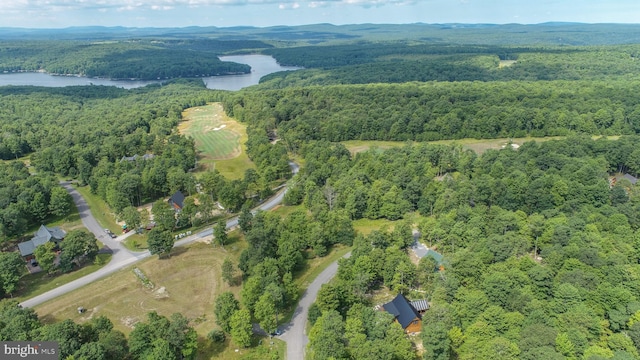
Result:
262,13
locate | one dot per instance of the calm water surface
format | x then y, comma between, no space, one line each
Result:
261,65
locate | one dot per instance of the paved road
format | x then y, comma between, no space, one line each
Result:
120,252
122,257
294,332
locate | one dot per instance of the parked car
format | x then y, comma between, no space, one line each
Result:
110,233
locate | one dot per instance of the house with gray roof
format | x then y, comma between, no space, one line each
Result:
177,200
136,157
405,313
42,236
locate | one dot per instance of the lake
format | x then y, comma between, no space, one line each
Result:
261,65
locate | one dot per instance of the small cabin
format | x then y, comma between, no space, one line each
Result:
405,313
177,200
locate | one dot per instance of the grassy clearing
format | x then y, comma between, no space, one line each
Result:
99,209
219,139
284,210
261,348
477,145
366,226
188,283
137,242
506,63
35,284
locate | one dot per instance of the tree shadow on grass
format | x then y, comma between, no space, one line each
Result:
209,349
177,251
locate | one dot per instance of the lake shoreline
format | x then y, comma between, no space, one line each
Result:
261,65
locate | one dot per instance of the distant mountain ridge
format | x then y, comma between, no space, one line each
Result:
550,33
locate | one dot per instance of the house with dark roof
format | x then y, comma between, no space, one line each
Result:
177,200
42,236
404,313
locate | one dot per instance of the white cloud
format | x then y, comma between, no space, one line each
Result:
288,6
43,5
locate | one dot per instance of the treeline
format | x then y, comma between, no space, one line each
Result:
158,337
27,200
398,63
434,110
123,143
86,133
362,52
146,60
536,178
541,251
278,248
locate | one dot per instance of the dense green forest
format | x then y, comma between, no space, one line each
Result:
542,248
441,110
578,297
157,337
400,62
552,33
146,60
27,199
85,133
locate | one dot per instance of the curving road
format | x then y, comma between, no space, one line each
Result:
294,332
123,257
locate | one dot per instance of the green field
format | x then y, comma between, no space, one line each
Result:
219,140
477,145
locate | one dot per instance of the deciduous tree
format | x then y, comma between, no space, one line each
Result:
241,327
220,232
77,246
228,271
226,305
60,202
45,256
160,242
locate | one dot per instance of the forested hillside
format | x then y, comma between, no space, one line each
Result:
399,62
441,110
83,133
541,252
541,243
145,60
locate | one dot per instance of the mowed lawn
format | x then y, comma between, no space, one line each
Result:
188,282
477,145
219,140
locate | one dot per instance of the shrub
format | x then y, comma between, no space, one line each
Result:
216,335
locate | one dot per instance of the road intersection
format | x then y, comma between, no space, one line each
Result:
293,333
